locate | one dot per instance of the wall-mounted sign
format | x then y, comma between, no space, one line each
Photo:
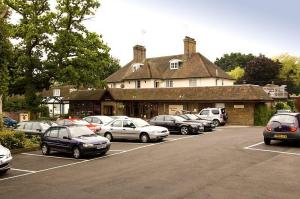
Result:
239,106
56,92
220,105
175,109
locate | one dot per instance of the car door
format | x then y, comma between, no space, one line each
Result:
52,138
116,129
158,121
129,130
204,114
64,141
170,123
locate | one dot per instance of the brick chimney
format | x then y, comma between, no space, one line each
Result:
139,54
189,46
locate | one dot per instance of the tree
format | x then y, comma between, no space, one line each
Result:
290,71
78,56
5,54
262,71
229,62
237,73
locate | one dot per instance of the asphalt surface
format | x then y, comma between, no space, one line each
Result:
227,163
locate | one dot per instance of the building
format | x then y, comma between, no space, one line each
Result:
190,69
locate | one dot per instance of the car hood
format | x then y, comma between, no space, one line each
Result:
153,128
92,140
3,150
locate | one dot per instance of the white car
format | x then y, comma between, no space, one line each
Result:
133,129
5,159
216,115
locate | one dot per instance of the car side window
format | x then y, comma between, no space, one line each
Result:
88,119
168,118
127,124
215,112
159,118
35,126
205,112
63,132
97,121
117,123
53,133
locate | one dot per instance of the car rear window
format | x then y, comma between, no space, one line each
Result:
284,119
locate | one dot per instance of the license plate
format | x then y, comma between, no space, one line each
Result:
280,136
101,146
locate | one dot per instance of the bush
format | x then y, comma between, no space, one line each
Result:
17,140
262,114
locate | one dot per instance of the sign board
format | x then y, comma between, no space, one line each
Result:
175,109
220,105
239,106
23,117
56,92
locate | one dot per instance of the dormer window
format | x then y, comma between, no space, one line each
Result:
174,64
136,66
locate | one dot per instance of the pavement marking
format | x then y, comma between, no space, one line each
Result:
102,157
47,156
27,171
115,150
248,147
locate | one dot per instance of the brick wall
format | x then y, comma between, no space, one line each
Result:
240,116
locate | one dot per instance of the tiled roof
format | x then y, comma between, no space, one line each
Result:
85,95
64,91
159,68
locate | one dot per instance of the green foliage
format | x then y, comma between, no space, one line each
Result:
229,62
262,71
289,105
262,114
14,104
44,110
237,73
17,140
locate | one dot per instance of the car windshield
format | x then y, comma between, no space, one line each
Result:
80,122
283,119
139,122
179,119
192,117
81,131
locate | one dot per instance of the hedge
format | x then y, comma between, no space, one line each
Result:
17,140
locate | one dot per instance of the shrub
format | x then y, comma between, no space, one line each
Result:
17,140
262,114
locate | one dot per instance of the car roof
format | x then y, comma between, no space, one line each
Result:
286,113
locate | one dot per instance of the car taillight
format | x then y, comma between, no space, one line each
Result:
293,129
269,128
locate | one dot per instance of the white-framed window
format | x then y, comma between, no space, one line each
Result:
169,83
137,84
193,82
174,64
156,84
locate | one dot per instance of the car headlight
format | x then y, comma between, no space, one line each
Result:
87,145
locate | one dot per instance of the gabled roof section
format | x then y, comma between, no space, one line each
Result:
195,66
85,95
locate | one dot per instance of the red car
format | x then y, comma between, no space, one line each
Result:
78,122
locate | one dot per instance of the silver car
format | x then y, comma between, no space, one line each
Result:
5,159
133,129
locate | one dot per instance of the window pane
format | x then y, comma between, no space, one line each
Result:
63,133
53,133
117,123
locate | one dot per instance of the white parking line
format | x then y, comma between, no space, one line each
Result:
47,156
115,150
248,147
102,157
27,171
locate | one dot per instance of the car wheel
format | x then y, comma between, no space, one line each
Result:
3,172
184,130
108,136
45,149
76,153
216,122
267,141
144,138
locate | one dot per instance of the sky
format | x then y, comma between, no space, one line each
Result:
269,27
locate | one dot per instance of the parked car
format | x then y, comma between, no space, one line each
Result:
78,122
208,125
32,127
9,122
176,123
133,129
5,159
217,115
119,117
98,120
78,140
282,126
283,111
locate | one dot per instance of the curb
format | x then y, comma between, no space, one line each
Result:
23,150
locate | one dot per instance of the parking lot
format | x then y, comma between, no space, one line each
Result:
230,162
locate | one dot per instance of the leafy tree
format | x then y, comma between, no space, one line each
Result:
5,54
230,61
290,71
237,73
262,71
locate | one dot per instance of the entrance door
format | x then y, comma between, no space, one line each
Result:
108,110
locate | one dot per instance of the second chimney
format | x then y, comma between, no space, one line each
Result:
139,54
189,46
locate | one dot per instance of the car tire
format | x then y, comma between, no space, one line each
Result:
3,172
45,149
144,137
267,141
108,136
76,153
216,122
184,130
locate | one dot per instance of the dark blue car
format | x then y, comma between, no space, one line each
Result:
9,122
78,140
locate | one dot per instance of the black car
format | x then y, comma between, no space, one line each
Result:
177,124
208,125
78,140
